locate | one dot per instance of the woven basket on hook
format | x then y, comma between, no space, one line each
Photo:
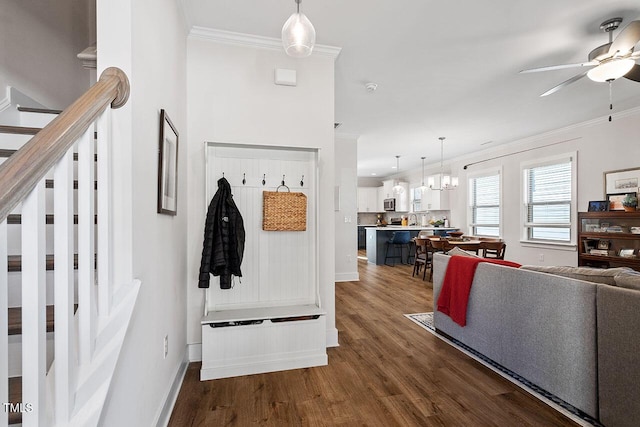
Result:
284,211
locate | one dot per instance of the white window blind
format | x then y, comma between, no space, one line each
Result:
548,201
484,198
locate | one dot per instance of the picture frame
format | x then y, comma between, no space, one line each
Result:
615,200
603,244
621,181
598,206
167,166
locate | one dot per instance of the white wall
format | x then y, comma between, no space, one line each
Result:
152,52
601,146
40,41
232,98
346,252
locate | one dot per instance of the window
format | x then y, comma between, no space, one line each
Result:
548,190
484,202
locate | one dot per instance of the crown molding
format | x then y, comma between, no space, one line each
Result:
251,40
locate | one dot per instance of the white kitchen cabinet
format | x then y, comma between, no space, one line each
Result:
368,200
403,199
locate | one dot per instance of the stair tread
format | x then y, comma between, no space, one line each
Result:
16,219
5,153
19,130
15,396
14,319
39,110
15,262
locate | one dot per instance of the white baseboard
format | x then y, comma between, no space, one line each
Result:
172,395
195,352
347,277
332,337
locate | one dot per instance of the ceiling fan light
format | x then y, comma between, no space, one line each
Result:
298,35
611,70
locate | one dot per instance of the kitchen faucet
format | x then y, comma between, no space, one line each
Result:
415,219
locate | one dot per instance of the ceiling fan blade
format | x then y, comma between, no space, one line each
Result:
634,74
564,83
627,39
560,67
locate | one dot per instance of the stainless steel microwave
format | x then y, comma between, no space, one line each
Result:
389,204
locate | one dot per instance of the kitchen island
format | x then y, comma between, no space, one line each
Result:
377,238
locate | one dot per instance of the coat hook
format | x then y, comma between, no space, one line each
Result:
223,174
302,181
283,180
244,179
264,178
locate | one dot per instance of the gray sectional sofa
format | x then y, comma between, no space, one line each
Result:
577,339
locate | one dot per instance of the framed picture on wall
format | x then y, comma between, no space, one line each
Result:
621,181
167,166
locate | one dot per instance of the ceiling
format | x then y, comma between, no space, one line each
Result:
445,70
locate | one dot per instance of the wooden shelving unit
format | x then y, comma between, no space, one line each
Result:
611,232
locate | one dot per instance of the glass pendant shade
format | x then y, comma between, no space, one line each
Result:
298,35
611,70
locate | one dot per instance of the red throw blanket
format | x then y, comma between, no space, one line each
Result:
456,286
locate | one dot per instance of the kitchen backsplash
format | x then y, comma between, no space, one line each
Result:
365,218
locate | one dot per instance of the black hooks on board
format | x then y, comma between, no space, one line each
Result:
264,179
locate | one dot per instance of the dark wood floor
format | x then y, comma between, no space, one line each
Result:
386,372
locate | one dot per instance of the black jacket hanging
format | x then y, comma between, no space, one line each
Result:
223,245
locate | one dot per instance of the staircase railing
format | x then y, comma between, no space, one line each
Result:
22,182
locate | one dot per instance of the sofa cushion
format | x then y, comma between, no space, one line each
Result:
628,279
462,252
589,274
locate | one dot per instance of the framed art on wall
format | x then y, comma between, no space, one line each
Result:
167,166
621,181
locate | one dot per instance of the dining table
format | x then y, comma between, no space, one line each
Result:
471,245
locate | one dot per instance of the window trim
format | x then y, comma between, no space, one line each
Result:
572,156
479,174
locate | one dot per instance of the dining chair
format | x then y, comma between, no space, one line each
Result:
423,257
493,249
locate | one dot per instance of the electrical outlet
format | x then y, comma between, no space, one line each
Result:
541,257
166,346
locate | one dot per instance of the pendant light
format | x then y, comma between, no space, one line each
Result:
447,182
298,34
397,188
423,187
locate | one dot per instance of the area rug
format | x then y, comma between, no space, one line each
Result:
425,321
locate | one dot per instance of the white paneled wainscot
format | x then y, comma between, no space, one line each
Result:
272,318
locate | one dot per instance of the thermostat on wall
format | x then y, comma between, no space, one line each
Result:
285,77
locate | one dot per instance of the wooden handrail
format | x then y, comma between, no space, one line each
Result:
22,171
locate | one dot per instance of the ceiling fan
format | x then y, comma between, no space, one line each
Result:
608,62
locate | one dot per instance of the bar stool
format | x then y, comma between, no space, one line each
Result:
399,239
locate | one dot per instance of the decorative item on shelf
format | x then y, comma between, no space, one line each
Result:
634,230
603,244
627,253
598,206
630,202
298,34
616,199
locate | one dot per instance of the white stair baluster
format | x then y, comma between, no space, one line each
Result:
105,247
4,338
86,247
34,307
65,359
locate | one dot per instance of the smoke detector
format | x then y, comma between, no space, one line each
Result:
371,87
